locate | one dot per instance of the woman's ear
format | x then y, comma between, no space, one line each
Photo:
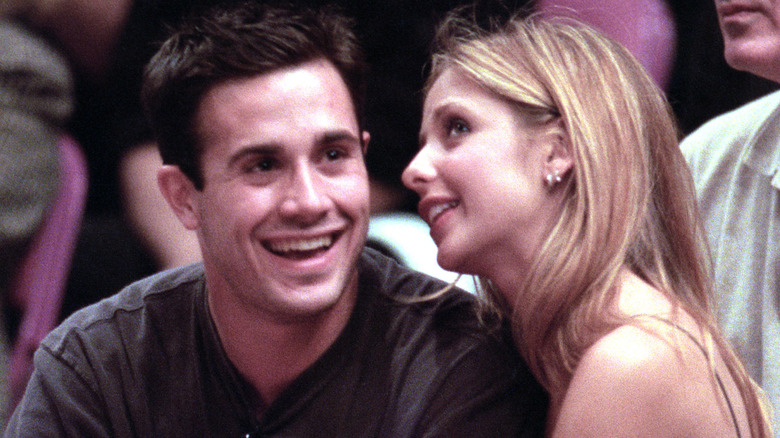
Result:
181,195
560,158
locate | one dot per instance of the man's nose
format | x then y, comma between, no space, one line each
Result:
306,198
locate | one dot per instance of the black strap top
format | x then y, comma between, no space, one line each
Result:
704,351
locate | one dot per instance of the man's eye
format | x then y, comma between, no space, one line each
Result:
457,127
265,165
333,154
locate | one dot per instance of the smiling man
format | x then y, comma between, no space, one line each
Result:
735,161
289,327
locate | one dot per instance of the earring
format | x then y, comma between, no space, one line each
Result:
553,178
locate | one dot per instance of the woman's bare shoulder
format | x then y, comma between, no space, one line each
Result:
636,382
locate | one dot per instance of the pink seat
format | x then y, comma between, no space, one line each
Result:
646,27
39,284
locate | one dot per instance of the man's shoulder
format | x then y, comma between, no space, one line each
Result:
422,299
738,126
161,292
391,278
454,355
414,307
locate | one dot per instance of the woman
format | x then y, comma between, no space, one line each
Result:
549,167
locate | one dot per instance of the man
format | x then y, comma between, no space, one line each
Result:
289,327
734,160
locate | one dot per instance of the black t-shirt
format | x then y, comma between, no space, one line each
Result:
148,362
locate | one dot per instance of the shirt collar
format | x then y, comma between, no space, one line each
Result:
763,148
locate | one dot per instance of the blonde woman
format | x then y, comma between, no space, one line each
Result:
549,167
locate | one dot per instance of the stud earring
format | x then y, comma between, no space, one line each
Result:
553,178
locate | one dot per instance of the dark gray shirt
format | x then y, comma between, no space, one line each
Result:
148,363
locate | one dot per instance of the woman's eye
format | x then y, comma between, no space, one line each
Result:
457,127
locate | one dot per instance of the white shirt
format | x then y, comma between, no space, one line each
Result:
734,159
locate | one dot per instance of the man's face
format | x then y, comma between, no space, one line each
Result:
284,211
751,34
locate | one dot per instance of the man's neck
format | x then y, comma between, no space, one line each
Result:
271,353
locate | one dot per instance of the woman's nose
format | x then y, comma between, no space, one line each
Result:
419,172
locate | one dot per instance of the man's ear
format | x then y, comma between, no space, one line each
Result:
181,195
559,155
366,137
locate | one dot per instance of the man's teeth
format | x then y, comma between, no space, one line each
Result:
302,245
438,209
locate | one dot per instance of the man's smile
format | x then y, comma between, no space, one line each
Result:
300,248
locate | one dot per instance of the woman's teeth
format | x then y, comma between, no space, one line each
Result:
438,209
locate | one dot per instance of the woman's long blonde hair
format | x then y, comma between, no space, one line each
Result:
629,201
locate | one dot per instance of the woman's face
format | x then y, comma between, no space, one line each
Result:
480,174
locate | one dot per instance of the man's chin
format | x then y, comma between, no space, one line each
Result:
753,57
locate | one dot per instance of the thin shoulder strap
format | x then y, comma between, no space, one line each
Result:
704,352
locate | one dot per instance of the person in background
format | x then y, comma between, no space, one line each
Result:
36,102
289,326
735,160
645,27
549,167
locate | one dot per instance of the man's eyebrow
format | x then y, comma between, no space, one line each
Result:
336,136
275,149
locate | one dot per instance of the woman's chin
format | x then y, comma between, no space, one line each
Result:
453,262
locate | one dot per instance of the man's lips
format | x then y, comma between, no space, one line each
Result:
300,247
731,9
